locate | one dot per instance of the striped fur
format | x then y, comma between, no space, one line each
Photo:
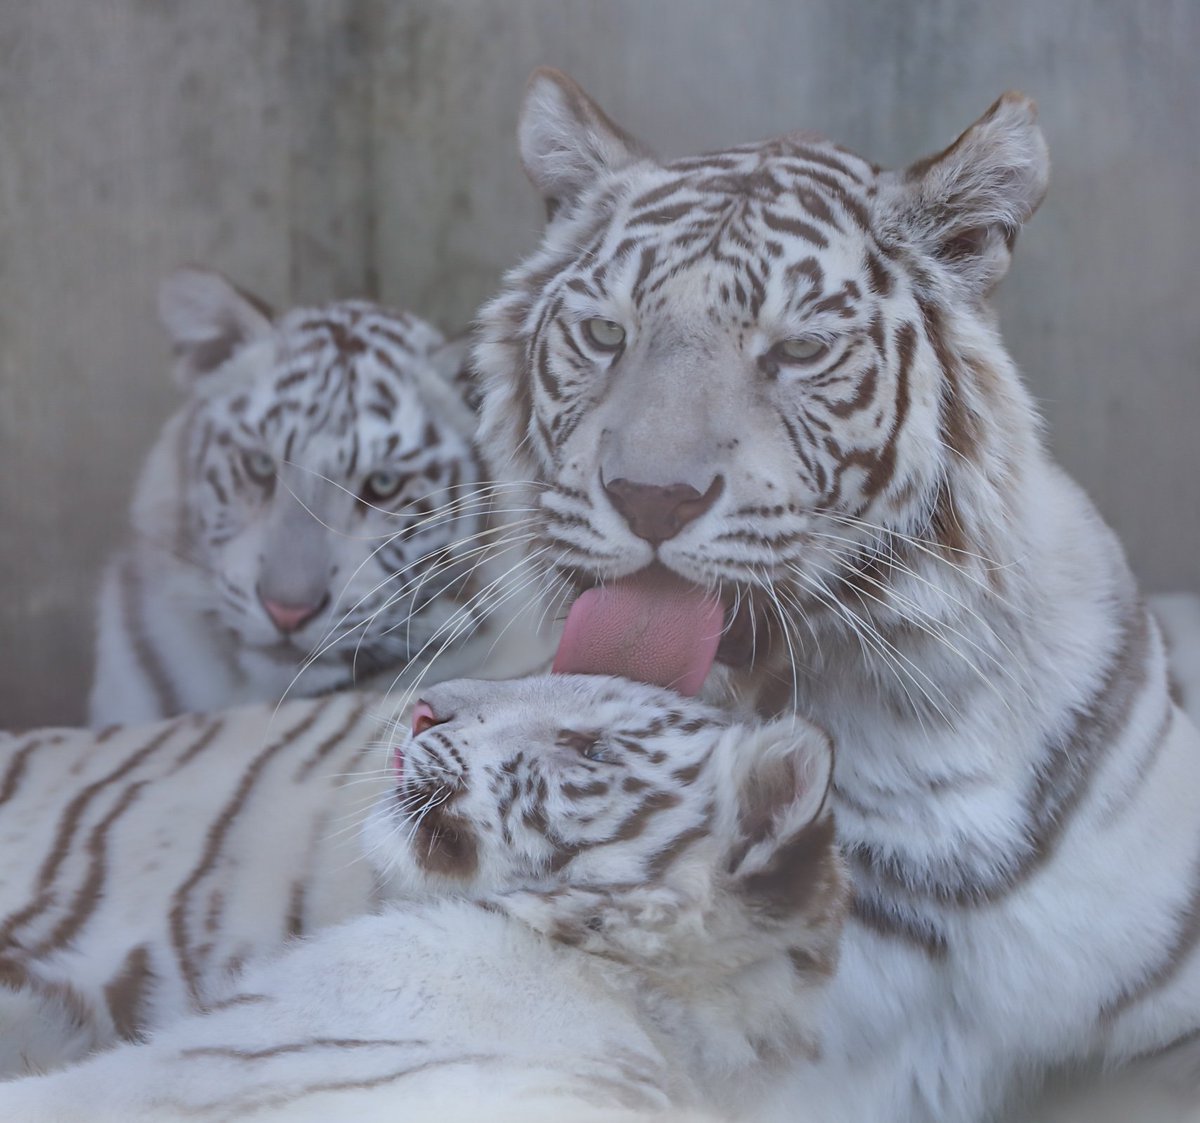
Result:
802,341
321,469
644,931
145,863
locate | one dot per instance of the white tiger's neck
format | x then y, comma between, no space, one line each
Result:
735,1033
730,999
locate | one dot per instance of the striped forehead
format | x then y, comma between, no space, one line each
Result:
770,225
337,380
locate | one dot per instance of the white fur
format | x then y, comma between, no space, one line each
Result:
520,990
142,865
182,616
946,684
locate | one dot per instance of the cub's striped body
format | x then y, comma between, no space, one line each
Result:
142,864
304,522
770,375
614,904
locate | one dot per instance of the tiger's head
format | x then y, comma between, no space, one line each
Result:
313,480
760,385
622,819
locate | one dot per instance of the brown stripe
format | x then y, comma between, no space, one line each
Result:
331,743
1154,748
666,856
1072,762
90,892
68,825
181,903
213,726
17,766
165,695
295,915
886,919
236,1054
1062,781
236,1000
127,993
1181,948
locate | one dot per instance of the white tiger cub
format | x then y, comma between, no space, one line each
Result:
616,903
316,493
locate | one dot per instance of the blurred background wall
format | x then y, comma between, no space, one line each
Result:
322,148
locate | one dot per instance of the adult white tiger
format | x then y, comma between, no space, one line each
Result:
765,403
616,904
315,493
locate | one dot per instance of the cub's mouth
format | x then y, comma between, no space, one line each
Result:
656,627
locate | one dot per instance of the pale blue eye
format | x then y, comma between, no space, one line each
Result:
801,350
259,466
606,335
383,484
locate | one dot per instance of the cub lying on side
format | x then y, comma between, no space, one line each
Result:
315,493
619,904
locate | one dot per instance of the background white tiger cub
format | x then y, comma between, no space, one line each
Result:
617,903
315,493
139,865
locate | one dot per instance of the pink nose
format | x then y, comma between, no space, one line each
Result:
290,617
423,718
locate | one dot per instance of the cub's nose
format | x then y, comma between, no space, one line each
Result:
658,512
290,618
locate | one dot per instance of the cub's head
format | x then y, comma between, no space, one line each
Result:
621,818
317,477
768,372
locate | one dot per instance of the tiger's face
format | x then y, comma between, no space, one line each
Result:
322,462
757,373
554,789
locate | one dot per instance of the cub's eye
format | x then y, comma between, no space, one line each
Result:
259,467
382,485
800,350
604,335
587,745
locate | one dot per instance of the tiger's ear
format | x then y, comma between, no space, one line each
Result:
566,140
208,319
783,850
965,205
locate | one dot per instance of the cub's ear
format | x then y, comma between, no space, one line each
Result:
566,140
783,851
208,319
965,205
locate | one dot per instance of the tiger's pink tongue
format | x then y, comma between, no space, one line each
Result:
652,627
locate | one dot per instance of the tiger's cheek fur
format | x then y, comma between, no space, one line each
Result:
694,397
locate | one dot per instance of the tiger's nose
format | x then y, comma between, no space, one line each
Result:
290,618
657,512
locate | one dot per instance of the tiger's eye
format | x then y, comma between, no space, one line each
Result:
259,466
606,335
590,746
801,350
382,485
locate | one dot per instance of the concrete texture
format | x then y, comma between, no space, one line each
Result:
320,148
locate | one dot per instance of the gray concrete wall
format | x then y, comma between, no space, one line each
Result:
318,148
